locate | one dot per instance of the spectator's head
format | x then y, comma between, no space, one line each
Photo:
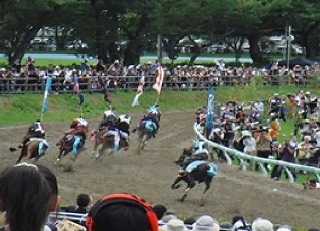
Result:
122,212
206,223
27,194
260,224
83,200
284,228
174,225
160,210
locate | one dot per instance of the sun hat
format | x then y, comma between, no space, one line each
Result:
260,224
206,223
284,228
174,225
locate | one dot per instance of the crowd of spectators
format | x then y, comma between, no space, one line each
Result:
30,77
256,130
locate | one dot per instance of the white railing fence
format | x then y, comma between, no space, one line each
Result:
228,152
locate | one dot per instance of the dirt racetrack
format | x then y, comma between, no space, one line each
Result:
151,173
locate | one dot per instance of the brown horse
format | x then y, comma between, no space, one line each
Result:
106,140
30,150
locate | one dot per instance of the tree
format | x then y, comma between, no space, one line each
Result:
22,20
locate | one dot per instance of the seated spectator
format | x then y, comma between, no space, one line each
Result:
207,223
27,193
160,211
284,228
122,212
174,225
238,223
260,224
83,203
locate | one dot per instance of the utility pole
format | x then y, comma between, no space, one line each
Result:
289,39
159,48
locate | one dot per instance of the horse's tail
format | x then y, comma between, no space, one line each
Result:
12,149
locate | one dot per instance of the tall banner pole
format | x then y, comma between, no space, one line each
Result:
210,110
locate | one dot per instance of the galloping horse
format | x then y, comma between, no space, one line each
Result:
30,150
148,128
198,171
108,135
33,145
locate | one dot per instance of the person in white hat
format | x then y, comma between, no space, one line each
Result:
206,223
174,225
260,224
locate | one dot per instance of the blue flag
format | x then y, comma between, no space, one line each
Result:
210,109
46,93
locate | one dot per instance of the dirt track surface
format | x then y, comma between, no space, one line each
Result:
151,173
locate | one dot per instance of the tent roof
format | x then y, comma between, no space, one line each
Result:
297,61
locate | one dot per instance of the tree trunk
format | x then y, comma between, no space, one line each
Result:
19,50
134,48
255,52
310,40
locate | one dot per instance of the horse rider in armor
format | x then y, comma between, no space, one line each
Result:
121,131
36,132
109,118
200,153
152,114
78,130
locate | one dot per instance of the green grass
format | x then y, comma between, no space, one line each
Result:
26,108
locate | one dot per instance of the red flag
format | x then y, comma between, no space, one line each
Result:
135,101
158,85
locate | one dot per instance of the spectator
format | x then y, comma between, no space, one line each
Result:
260,224
284,228
238,223
160,211
174,225
28,193
287,154
207,223
83,204
122,212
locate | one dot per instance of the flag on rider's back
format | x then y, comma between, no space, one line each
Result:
158,85
135,101
210,108
46,93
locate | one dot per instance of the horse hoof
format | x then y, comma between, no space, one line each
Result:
183,197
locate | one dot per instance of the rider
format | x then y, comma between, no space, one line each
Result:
78,130
109,118
151,115
121,131
200,152
36,131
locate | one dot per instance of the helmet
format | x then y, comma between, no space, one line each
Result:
125,118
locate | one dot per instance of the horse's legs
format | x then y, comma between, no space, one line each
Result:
184,194
94,150
175,184
202,200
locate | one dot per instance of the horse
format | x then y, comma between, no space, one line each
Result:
107,135
202,172
147,128
30,150
105,138
65,145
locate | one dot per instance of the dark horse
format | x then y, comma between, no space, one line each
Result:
147,128
65,145
198,175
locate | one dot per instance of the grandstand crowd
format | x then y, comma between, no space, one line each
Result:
29,77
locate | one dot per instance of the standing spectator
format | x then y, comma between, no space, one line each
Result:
263,144
101,69
287,154
249,145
